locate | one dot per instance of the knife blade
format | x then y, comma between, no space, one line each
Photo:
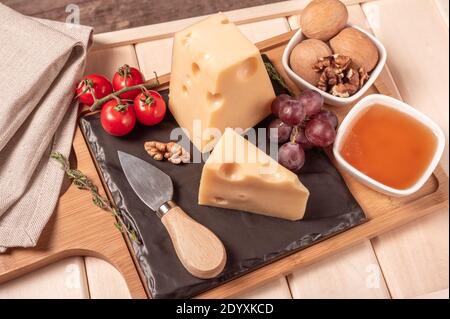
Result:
200,251
153,186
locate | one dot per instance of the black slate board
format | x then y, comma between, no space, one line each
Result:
251,240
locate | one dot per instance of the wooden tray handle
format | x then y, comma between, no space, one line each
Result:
198,248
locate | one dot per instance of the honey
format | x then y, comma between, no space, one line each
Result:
389,146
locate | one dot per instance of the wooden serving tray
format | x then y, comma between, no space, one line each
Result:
79,228
385,213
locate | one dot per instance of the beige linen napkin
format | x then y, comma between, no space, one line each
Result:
41,62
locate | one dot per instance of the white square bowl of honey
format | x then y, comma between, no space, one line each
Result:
388,145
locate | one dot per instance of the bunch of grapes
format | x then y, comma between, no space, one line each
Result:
301,124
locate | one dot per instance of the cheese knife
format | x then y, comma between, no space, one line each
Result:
198,248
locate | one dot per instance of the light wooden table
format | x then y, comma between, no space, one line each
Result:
410,262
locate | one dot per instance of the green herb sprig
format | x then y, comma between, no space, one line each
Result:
81,181
274,75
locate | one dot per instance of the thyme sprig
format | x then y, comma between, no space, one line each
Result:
81,181
274,75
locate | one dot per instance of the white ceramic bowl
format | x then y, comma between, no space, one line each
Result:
354,114
330,99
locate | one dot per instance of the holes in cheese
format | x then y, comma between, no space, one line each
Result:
195,69
232,171
215,101
247,68
184,89
221,60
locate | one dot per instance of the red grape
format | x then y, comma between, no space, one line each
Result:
320,133
302,140
312,101
291,156
278,131
329,116
292,112
276,104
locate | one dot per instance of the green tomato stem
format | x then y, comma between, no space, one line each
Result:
115,95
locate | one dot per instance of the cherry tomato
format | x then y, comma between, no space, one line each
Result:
93,83
117,119
127,76
149,107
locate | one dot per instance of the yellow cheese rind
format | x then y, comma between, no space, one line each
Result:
232,178
219,78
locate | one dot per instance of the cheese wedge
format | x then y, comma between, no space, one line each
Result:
238,175
218,78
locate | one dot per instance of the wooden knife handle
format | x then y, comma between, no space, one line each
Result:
198,248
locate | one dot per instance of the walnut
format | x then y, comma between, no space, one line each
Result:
323,63
340,90
171,151
323,83
353,81
327,78
363,77
339,63
339,76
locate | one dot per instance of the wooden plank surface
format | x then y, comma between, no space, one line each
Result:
440,294
113,15
354,273
107,61
275,289
443,7
155,56
415,258
262,30
164,30
63,279
105,281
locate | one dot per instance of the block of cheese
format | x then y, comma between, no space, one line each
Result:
218,78
238,175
